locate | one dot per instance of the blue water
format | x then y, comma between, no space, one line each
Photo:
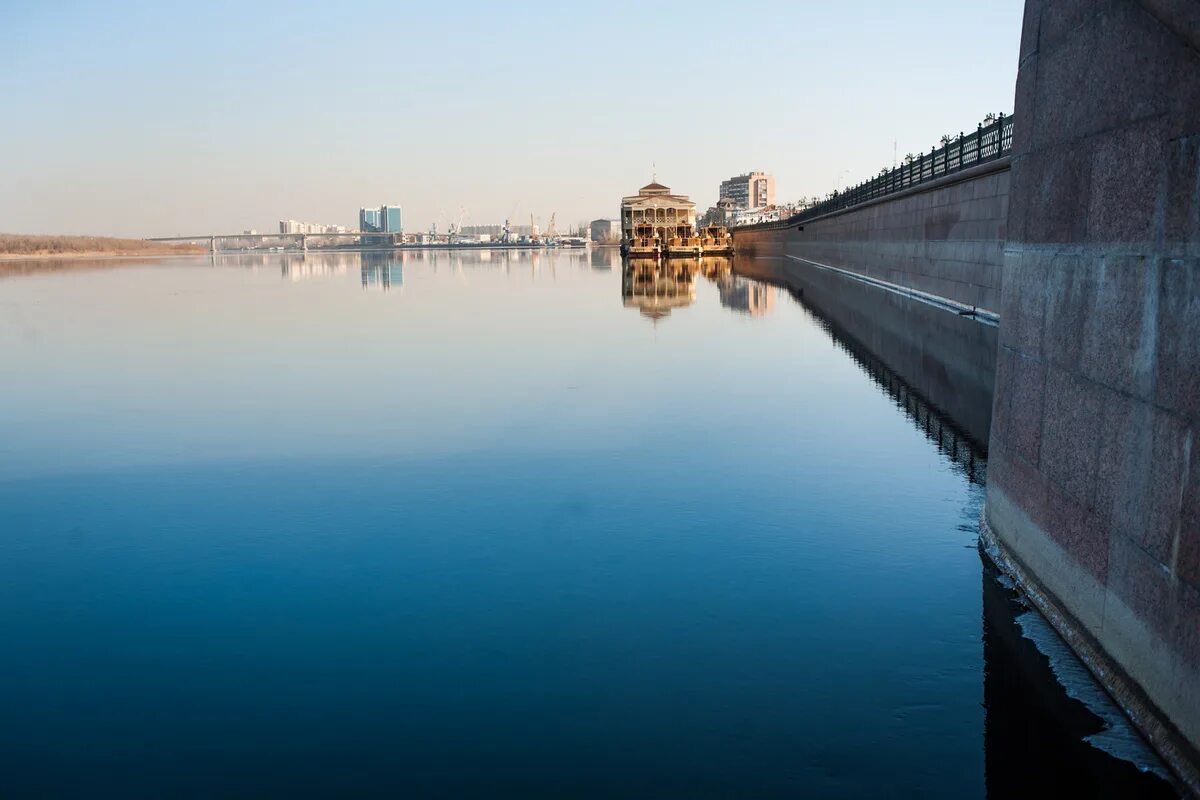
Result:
468,525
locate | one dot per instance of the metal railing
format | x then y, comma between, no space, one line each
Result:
987,143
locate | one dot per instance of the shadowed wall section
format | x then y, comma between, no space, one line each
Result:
1094,487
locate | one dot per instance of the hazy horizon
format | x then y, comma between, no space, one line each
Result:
224,118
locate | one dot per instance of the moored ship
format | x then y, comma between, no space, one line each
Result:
644,243
717,241
684,243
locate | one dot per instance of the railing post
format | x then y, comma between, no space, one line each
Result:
978,142
1000,135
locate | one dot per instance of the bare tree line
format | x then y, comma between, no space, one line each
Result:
24,244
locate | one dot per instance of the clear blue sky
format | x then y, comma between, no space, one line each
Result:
153,118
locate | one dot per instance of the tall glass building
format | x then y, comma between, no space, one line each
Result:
391,219
369,220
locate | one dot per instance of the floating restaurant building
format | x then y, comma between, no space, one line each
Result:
655,210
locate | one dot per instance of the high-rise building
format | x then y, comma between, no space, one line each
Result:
390,219
369,221
752,190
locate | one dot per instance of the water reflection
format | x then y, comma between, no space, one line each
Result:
949,359
745,295
1035,729
303,269
1035,733
938,426
382,271
605,257
21,267
656,287
201,552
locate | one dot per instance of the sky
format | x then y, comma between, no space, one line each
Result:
162,119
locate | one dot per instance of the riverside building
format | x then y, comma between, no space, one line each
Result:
654,205
752,190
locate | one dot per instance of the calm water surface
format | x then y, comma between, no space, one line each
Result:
479,524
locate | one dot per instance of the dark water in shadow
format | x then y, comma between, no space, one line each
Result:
482,524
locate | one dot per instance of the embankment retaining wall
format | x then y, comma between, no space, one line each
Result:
945,237
1094,481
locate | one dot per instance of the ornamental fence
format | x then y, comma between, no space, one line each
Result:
987,143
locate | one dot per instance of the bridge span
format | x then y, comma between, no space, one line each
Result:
296,241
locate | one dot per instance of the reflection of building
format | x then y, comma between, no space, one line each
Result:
655,205
716,268
654,288
605,257
606,231
297,267
740,294
752,190
382,271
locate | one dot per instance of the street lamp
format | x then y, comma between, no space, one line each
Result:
838,185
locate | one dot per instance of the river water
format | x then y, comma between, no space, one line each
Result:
492,524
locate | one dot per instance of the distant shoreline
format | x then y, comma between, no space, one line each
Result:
14,247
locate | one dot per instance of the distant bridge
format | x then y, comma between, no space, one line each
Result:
296,241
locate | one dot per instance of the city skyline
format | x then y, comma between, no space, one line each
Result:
204,124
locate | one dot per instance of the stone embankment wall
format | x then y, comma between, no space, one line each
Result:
1086,240
945,237
1094,464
